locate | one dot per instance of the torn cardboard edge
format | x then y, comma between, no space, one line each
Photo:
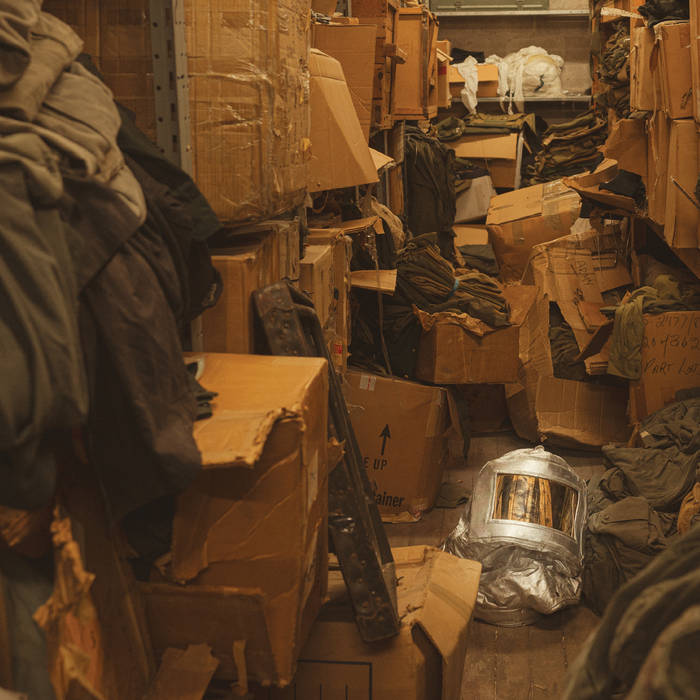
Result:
183,674
588,186
383,281
468,323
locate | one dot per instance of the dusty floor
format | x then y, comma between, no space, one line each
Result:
526,663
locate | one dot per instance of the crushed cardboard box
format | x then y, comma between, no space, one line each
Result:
340,156
244,268
401,428
521,219
353,45
673,42
556,411
574,271
682,218
250,534
500,154
448,353
670,361
436,595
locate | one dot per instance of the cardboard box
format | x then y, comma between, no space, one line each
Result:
695,55
338,331
414,94
682,220
562,412
228,326
436,596
670,361
473,203
340,156
487,74
521,219
249,104
401,428
659,135
353,46
574,271
642,69
316,279
501,154
250,534
450,354
673,40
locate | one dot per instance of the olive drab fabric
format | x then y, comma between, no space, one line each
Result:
430,188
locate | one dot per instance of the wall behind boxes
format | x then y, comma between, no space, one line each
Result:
570,38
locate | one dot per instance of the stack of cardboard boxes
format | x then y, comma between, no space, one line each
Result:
281,110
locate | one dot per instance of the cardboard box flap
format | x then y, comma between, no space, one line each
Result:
375,280
498,146
340,156
247,406
442,605
516,205
183,674
470,235
359,225
627,143
380,160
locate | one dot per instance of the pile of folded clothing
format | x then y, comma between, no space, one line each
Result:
614,72
567,149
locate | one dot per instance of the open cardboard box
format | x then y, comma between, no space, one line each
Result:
519,220
250,533
544,408
436,595
448,353
401,428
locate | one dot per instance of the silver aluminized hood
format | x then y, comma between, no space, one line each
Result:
525,524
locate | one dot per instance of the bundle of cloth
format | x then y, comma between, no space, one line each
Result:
614,71
634,507
426,282
568,148
666,293
104,264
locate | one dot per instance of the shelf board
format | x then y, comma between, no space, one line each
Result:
562,98
579,14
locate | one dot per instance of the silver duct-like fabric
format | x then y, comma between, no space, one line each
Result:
524,524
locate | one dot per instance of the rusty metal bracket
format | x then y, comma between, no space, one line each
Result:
287,324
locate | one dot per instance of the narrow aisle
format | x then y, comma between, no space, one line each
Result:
523,663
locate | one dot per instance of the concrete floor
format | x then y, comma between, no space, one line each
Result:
509,664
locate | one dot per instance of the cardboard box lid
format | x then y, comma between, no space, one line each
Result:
255,391
340,156
498,146
528,202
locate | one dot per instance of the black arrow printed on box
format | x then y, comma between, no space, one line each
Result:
386,433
